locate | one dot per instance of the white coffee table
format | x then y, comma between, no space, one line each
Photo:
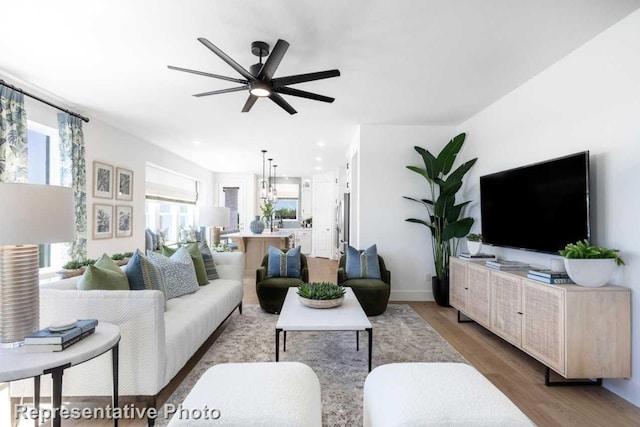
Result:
18,364
297,317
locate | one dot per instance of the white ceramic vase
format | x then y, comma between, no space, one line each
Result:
591,273
474,247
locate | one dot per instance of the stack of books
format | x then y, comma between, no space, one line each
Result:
477,257
550,277
46,340
500,264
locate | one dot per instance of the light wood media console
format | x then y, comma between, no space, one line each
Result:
577,332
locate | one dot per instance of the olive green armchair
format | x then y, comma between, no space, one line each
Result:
272,291
373,294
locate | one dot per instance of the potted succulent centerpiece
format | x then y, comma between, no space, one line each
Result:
71,269
321,294
444,217
589,265
474,243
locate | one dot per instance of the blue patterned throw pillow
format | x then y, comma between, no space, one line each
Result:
209,265
363,265
284,264
143,274
178,272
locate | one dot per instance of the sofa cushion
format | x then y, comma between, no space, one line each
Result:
177,271
104,274
362,265
284,264
143,274
196,257
209,264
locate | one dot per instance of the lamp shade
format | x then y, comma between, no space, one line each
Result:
214,216
35,214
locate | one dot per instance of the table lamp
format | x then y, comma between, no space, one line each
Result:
31,214
216,217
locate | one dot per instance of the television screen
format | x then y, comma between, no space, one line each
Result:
539,207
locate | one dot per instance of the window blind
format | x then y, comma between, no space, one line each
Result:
166,185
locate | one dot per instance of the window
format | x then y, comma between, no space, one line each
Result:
170,202
168,217
286,209
43,167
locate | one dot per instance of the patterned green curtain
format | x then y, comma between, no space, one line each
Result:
13,136
73,173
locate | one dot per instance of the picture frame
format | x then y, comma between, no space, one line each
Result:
102,221
102,180
124,184
124,221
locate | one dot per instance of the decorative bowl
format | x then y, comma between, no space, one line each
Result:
322,303
591,273
474,247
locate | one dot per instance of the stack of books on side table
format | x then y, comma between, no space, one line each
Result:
477,257
500,264
57,339
550,277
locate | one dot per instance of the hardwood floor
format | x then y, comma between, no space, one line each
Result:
516,374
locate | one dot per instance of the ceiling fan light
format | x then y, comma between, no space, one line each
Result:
260,89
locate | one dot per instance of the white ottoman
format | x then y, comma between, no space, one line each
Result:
436,394
253,394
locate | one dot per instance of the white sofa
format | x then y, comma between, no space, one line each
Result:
155,343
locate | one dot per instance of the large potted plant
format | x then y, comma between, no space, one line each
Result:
443,214
589,265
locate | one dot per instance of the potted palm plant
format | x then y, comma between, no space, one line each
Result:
444,217
589,265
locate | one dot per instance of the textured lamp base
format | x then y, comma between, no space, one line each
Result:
19,293
216,235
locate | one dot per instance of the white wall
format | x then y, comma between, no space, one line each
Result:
383,179
590,100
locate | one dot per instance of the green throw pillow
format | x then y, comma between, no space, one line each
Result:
105,275
196,257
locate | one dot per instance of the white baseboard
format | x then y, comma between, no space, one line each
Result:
422,295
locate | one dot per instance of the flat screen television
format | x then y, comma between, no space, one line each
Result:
539,207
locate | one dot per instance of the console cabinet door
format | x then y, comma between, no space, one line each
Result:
478,294
506,308
458,284
543,337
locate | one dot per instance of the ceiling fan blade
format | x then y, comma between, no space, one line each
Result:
269,67
303,94
301,78
202,73
226,58
217,92
282,103
250,101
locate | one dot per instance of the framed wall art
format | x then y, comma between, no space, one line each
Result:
124,221
102,180
124,184
102,221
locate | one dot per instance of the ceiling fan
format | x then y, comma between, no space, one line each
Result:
259,79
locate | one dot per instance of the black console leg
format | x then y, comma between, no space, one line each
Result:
549,383
460,320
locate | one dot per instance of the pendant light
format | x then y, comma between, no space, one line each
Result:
263,189
270,192
274,192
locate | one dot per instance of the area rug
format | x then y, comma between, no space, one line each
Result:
399,335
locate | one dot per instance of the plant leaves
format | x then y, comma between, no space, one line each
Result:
419,171
447,156
457,229
430,163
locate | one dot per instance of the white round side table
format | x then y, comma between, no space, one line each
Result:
18,364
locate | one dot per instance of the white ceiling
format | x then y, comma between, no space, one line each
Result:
433,62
